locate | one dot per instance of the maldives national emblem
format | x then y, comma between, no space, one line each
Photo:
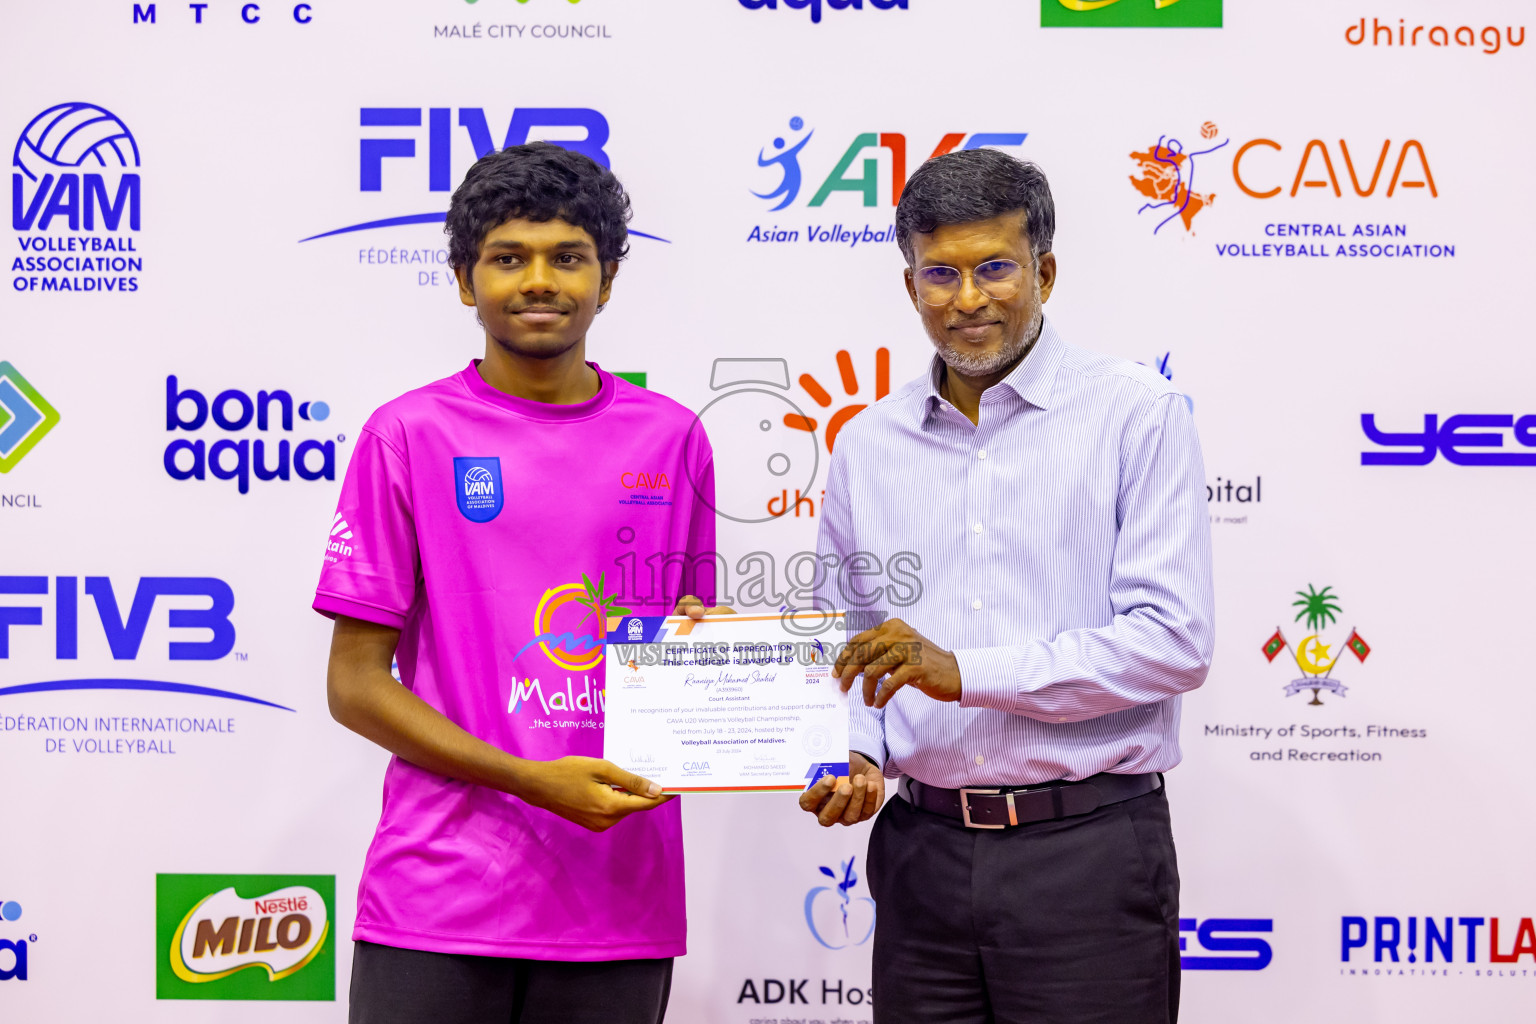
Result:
1316,659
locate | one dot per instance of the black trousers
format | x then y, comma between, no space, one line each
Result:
411,986
1060,922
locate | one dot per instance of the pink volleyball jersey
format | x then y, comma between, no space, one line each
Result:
496,533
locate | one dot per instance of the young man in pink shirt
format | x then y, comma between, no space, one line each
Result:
515,876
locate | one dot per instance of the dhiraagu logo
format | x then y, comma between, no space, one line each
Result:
1130,13
25,416
245,937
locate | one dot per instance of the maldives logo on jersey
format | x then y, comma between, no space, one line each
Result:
561,631
477,486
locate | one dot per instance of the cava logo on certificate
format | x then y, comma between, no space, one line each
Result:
731,703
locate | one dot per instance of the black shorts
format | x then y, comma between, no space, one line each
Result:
411,986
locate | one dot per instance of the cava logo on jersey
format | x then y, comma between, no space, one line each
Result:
1383,945
1460,439
245,937
477,487
234,412
1227,943
25,417
815,6
1316,660
1130,13
75,202
401,168
18,947
873,167
1179,181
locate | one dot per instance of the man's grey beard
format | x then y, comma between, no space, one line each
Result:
981,364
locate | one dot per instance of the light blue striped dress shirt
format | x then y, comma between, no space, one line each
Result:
1065,558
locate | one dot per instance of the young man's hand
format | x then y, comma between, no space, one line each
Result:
847,800
581,789
694,608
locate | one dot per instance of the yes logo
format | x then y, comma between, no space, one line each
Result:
838,919
245,937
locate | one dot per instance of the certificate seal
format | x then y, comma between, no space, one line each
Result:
817,740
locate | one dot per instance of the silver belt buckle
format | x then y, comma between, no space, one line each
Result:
965,807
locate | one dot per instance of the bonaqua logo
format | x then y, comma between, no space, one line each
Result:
16,970
234,412
816,5
76,171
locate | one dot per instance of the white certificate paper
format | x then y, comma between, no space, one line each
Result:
725,704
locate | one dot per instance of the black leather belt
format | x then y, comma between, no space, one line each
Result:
1023,805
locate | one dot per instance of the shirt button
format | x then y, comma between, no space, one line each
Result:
981,453
980,759
978,527
976,604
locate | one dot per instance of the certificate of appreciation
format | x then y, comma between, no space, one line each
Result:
731,703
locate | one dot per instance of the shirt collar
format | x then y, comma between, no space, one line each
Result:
1032,380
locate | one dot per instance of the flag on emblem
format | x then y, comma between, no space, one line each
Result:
1357,643
1274,645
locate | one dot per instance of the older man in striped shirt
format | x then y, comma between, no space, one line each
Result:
1027,695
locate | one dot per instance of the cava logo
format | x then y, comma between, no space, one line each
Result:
1314,658
245,937
1130,13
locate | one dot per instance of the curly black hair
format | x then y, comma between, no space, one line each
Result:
538,181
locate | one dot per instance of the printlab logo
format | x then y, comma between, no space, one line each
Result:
816,5
1130,13
76,169
244,937
857,171
233,412
1315,659
1172,192
25,417
16,970
1398,940
1458,439
1230,943
1433,36
836,918
391,142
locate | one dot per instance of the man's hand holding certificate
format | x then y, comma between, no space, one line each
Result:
725,703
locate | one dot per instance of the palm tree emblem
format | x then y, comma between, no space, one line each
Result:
601,604
1319,606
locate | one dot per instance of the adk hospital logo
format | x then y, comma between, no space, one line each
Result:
76,202
1311,190
869,174
836,917
245,937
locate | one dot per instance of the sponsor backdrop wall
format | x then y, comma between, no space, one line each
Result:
224,251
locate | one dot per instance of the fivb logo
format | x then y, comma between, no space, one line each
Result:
76,170
125,634
816,5
25,417
234,411
215,942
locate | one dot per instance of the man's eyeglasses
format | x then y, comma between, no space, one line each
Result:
996,279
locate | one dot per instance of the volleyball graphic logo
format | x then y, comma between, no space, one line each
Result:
75,135
1208,130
